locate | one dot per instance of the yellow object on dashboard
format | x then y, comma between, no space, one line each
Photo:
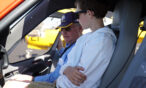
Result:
44,41
142,35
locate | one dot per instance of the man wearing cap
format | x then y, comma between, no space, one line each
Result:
71,31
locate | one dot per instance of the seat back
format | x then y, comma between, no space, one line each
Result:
135,76
126,43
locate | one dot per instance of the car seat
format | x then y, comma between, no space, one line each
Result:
126,42
135,76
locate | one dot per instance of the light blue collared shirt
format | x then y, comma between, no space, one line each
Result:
51,77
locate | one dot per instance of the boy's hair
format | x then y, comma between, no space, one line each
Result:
98,7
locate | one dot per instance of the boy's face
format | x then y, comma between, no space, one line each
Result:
83,18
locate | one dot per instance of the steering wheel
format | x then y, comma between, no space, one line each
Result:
40,65
43,62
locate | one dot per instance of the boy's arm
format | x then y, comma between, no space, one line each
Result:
75,75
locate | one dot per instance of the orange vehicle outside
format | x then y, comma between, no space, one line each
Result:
7,6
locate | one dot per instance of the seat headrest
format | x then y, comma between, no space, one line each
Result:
115,29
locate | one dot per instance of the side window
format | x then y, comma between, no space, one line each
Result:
37,42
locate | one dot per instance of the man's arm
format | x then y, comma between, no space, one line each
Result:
14,84
51,77
21,77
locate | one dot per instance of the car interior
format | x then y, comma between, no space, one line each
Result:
126,68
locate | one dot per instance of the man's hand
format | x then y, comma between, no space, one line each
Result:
16,84
60,44
20,77
75,75
19,81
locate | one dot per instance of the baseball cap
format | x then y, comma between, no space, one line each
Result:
67,20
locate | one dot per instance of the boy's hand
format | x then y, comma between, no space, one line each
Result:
75,75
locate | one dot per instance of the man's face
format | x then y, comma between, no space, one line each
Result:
72,33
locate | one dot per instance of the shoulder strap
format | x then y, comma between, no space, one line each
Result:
66,49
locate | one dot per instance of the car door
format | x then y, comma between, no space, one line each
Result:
18,23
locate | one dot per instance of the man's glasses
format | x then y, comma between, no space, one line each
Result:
78,13
66,29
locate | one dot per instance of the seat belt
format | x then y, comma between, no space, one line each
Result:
66,49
